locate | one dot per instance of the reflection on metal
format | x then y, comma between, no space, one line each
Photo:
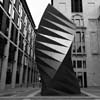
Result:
53,54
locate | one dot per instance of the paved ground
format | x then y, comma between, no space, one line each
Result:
92,93
19,92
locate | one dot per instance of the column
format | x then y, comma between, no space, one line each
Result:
30,76
26,73
4,66
26,76
14,70
21,71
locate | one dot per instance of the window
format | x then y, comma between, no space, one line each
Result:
10,9
52,2
84,64
14,34
76,6
1,1
16,17
4,22
78,36
14,1
79,50
21,39
19,62
74,64
18,23
79,64
13,13
74,48
20,9
25,32
22,27
25,20
83,37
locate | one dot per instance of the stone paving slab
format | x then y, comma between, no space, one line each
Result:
17,91
51,98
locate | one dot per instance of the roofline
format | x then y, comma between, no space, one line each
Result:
27,10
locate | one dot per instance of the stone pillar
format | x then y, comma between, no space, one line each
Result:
26,73
30,76
21,71
4,66
14,69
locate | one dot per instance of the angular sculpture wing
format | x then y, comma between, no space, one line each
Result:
53,54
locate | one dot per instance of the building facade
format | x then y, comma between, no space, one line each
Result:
17,45
86,45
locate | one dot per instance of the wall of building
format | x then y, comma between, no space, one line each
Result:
17,45
92,36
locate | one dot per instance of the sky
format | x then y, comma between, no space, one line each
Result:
37,8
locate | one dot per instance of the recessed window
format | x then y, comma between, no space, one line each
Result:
79,64
14,1
4,22
76,6
1,1
14,34
13,13
84,64
74,64
10,9
78,36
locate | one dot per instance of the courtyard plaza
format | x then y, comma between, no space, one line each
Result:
31,93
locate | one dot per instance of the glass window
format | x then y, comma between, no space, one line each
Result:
25,32
84,64
10,7
74,48
20,9
1,1
21,41
22,27
83,37
3,42
18,23
14,1
4,22
24,45
79,50
74,64
14,34
19,62
23,14
25,20
76,5
79,64
78,36
29,28
13,13
16,17
11,61
83,48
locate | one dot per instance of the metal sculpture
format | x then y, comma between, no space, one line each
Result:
53,54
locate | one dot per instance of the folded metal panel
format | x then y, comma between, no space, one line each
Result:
53,54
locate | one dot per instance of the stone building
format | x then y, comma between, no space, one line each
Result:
86,45
17,45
